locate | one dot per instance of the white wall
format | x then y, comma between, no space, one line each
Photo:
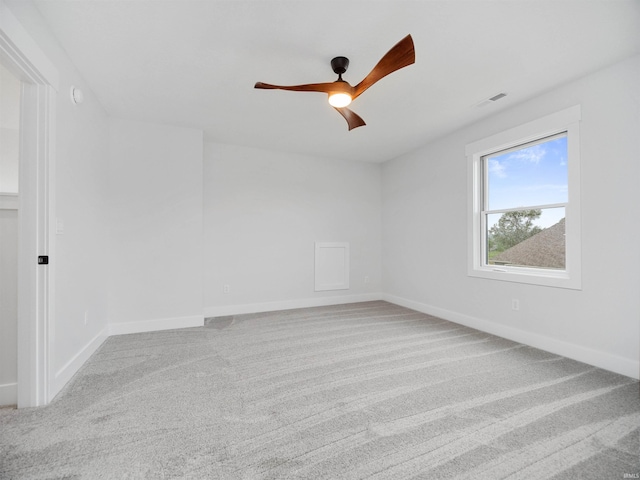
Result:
80,200
155,266
8,303
9,130
81,247
425,231
264,210
9,141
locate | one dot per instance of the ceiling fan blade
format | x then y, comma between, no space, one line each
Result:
352,118
401,55
311,87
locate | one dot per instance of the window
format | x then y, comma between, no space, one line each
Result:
524,222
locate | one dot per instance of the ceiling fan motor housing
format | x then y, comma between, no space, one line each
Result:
340,65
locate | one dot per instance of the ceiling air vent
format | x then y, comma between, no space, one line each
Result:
490,100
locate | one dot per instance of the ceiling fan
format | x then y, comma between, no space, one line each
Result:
341,93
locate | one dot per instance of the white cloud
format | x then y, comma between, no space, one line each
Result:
496,168
531,154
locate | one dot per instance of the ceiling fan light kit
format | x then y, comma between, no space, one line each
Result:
339,100
341,93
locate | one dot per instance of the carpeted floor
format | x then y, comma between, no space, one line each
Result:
368,390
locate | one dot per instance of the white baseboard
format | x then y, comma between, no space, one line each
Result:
155,325
223,310
604,360
62,376
8,394
607,361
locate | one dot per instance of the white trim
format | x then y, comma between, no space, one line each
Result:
22,56
35,282
240,309
604,360
525,207
48,231
563,121
64,375
22,52
9,201
528,132
155,325
8,394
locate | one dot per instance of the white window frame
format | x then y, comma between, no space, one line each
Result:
568,121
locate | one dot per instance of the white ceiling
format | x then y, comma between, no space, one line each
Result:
194,63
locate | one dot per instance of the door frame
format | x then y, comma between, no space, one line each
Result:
21,55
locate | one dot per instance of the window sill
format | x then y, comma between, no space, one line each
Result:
559,279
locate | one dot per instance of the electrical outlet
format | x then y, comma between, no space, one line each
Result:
366,279
515,304
226,288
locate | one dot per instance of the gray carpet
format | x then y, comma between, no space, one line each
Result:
368,390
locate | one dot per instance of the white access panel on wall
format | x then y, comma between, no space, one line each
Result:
332,266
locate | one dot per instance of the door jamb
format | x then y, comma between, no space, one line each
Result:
20,54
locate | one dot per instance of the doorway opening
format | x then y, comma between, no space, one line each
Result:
9,166
38,78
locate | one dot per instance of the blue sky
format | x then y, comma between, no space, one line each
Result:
534,175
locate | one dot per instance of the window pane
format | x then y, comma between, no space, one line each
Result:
527,238
533,175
